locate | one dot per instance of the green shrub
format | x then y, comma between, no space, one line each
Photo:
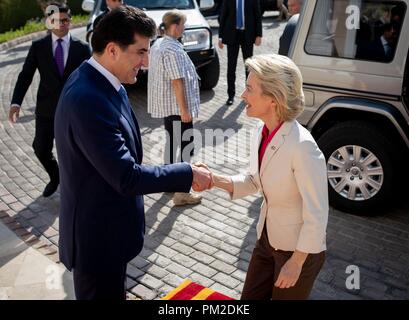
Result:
15,13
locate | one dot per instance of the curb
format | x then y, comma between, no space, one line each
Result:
32,36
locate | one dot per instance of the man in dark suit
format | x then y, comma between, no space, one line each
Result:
55,56
240,26
111,5
294,9
383,48
99,147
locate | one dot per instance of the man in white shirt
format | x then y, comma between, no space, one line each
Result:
55,56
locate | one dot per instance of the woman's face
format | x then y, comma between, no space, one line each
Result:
180,28
258,104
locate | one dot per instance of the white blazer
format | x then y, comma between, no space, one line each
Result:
293,182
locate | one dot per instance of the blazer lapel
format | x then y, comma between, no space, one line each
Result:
275,144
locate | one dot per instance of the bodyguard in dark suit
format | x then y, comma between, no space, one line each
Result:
55,56
111,5
99,147
240,26
382,48
294,9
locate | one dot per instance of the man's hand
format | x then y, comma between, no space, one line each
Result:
257,42
14,114
185,116
221,45
202,178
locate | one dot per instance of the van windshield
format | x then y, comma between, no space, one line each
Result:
161,4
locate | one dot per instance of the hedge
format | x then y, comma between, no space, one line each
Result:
15,13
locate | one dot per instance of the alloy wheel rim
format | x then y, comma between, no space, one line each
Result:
355,173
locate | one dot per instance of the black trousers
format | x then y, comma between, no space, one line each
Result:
264,269
108,285
232,55
43,146
180,134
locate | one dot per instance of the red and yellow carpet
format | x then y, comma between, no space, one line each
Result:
189,290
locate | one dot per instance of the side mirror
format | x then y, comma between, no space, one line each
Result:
206,4
88,5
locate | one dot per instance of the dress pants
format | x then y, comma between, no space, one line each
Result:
107,285
179,133
232,55
264,269
43,146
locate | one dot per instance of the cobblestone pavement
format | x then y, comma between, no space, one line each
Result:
210,243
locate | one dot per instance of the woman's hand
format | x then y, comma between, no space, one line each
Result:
291,270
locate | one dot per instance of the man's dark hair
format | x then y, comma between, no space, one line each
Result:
120,26
62,8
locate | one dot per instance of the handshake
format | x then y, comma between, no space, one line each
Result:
203,178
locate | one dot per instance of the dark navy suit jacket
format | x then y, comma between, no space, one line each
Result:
99,147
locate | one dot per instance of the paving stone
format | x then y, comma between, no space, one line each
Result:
178,270
143,292
150,282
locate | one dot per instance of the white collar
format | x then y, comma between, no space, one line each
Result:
383,40
110,77
65,39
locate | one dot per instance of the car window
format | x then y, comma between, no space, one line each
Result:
161,4
355,29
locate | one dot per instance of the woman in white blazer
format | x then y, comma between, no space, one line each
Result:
288,169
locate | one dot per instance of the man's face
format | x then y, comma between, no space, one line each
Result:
127,62
391,35
61,24
113,4
294,7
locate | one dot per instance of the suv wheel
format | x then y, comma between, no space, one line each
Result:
359,167
209,74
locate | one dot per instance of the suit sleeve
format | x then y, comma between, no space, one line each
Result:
287,37
25,77
98,135
311,177
258,18
244,185
222,20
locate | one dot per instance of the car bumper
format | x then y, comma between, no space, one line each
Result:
202,57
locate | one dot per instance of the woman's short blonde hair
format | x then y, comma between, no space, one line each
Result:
281,79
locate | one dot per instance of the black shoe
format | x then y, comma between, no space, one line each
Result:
50,188
229,101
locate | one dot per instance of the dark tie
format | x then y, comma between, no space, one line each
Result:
239,15
59,57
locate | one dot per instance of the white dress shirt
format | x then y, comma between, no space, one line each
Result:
65,45
110,77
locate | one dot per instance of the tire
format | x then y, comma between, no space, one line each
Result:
209,74
372,179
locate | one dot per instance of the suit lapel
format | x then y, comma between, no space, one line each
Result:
127,112
120,104
69,63
275,144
